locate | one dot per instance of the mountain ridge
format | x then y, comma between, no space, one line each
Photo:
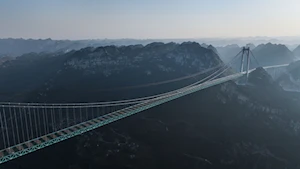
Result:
99,68
273,54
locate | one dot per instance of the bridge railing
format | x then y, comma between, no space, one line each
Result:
20,123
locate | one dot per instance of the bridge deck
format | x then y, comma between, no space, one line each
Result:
46,140
52,138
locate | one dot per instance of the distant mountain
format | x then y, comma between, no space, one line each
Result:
17,47
251,46
204,45
228,52
232,46
290,78
296,51
292,46
213,49
273,54
101,70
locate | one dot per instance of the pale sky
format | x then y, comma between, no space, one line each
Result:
141,19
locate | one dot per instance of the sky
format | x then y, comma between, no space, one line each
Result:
148,19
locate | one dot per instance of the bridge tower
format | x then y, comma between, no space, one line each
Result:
245,53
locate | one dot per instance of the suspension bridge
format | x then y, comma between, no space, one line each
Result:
28,127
